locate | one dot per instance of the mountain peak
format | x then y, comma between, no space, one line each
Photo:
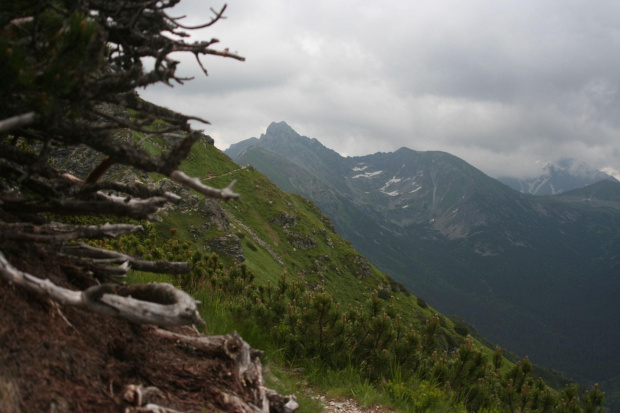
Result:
280,130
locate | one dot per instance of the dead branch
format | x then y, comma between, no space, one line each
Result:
137,189
57,232
145,208
247,367
165,267
161,304
99,270
15,121
227,346
194,183
138,209
218,15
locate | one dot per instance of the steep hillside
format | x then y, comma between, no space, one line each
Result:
524,270
101,306
284,233
283,268
281,233
272,232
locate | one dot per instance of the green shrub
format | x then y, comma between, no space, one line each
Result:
384,294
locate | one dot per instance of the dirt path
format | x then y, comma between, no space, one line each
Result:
344,405
209,177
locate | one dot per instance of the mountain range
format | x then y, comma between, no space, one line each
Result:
559,177
534,274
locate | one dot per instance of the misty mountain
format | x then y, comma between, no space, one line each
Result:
601,193
557,178
535,274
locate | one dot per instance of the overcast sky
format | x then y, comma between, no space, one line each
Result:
505,85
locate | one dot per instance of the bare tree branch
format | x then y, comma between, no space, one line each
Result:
218,15
16,121
194,183
56,232
161,304
136,209
84,250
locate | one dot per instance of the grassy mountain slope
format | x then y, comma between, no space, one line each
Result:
276,233
285,233
296,233
470,245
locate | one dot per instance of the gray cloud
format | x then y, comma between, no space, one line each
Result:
501,84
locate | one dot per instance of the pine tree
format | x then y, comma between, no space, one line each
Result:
70,70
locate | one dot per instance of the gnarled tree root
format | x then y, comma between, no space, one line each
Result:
247,370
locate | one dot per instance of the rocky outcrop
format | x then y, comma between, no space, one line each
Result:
215,215
300,241
361,267
229,245
284,220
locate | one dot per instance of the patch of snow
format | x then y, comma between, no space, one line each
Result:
555,191
406,206
415,190
367,175
534,187
393,193
358,168
390,182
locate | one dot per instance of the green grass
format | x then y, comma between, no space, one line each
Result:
305,379
262,201
219,321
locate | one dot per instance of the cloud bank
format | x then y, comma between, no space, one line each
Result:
500,84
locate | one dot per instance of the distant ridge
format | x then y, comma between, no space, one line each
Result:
602,193
235,150
555,179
